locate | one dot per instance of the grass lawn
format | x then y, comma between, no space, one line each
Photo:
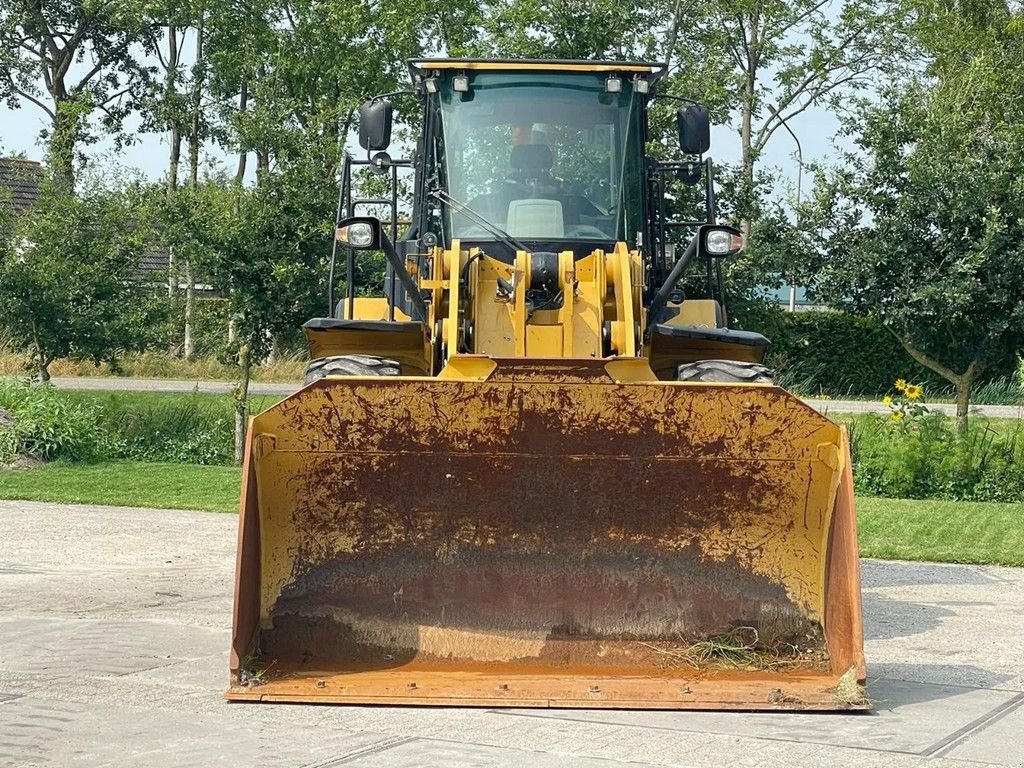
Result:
890,529
942,531
127,484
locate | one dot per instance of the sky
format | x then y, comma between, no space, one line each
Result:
146,153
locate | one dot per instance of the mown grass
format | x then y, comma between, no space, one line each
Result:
942,531
127,484
890,529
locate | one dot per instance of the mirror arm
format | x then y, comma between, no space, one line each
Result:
661,297
419,306
710,203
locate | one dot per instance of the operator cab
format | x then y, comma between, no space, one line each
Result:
554,159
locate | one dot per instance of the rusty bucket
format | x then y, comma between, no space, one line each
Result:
547,533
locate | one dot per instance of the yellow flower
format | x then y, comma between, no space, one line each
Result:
886,400
901,385
914,391
897,415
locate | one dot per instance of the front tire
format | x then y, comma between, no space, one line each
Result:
725,371
351,365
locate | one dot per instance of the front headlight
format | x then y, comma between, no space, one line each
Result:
360,234
722,242
357,234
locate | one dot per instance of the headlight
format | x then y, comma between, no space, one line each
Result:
718,242
358,234
722,242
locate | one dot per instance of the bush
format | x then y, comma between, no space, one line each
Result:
924,457
48,424
187,429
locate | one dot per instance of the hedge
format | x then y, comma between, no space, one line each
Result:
840,355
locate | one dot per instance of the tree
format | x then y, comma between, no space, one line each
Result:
71,60
925,228
767,61
265,249
174,105
68,282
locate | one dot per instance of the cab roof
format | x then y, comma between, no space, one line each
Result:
656,70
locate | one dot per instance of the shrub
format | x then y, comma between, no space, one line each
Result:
188,429
923,456
48,424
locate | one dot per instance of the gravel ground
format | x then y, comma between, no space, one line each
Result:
114,630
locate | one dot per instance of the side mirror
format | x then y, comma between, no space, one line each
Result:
717,240
694,127
361,233
375,124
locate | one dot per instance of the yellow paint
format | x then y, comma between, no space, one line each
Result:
371,308
533,66
699,313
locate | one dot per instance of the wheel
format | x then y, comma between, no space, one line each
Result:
725,371
351,365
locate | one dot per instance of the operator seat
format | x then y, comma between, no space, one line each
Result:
531,165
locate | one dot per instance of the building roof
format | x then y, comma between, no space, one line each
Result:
20,179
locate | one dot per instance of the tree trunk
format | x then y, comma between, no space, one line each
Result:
189,348
63,138
275,349
198,79
242,402
41,359
964,385
174,159
243,155
963,382
746,126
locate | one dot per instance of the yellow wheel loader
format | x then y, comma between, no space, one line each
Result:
540,470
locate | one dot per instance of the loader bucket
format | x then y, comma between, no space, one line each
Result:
552,533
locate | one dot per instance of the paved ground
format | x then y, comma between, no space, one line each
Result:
220,387
114,630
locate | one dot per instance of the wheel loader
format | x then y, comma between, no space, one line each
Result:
535,467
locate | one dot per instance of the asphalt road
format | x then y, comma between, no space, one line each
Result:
259,388
113,652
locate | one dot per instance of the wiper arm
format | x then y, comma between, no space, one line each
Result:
499,233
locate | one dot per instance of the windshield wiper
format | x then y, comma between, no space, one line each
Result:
498,232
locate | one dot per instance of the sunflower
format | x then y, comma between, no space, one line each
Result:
914,391
901,385
897,415
887,400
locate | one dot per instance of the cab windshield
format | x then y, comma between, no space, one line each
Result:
542,156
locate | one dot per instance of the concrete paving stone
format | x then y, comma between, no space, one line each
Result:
910,717
57,648
997,741
430,753
113,646
47,733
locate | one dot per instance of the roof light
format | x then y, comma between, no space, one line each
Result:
640,85
461,83
613,84
431,84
